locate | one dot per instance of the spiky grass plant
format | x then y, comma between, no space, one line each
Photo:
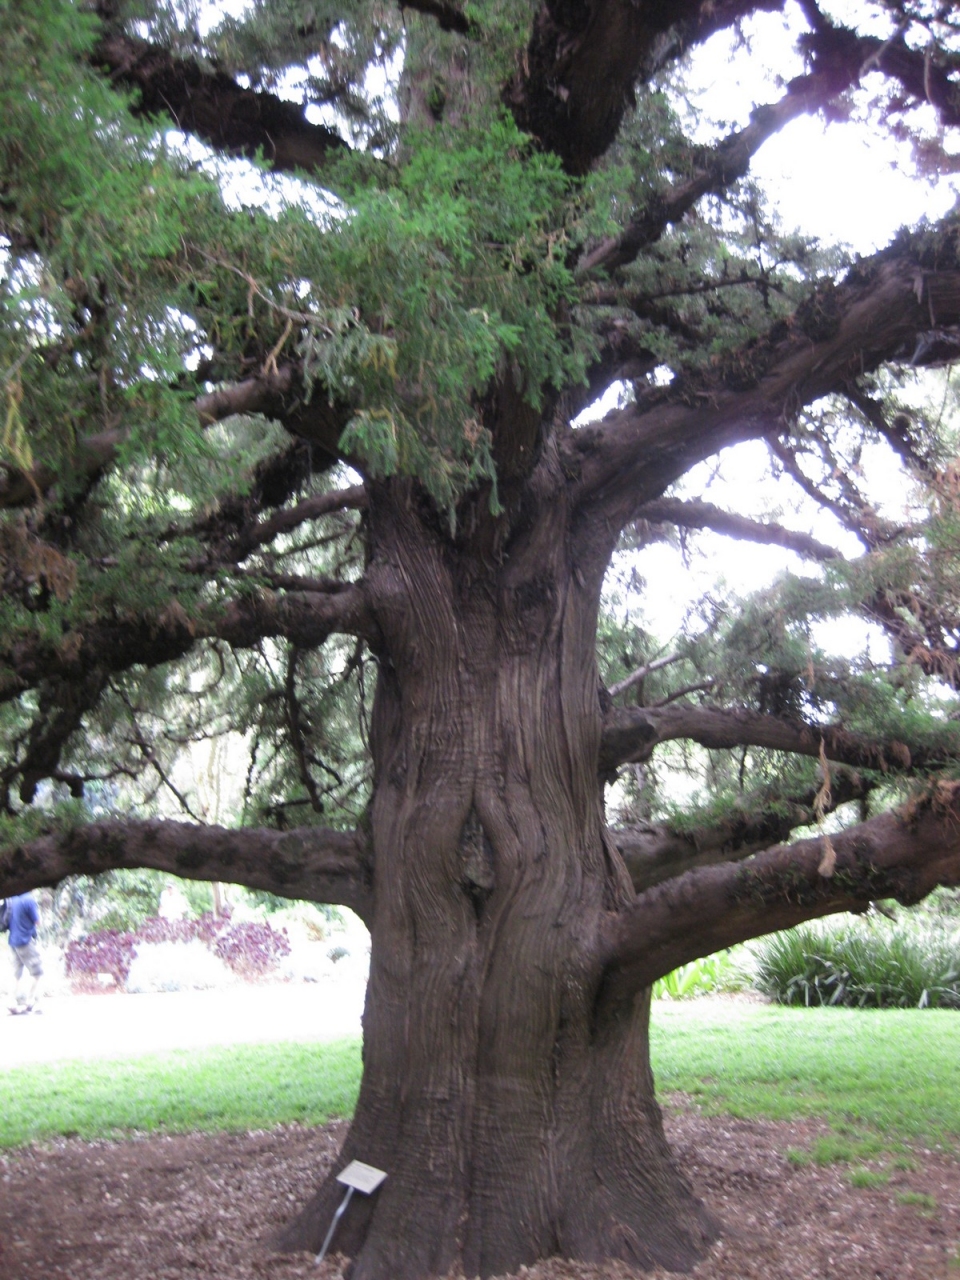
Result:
864,963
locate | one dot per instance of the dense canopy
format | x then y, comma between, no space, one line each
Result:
321,575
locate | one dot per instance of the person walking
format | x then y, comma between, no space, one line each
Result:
23,916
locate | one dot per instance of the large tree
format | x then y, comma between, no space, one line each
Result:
279,452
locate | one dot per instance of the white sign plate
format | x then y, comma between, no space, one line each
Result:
360,1176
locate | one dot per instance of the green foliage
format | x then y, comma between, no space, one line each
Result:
459,267
710,975
863,963
412,290
121,901
129,899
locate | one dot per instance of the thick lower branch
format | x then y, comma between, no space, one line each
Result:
314,863
305,617
654,852
904,854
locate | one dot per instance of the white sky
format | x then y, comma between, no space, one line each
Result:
844,184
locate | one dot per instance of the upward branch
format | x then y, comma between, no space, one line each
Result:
213,107
875,315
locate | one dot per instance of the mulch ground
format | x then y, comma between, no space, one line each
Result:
201,1206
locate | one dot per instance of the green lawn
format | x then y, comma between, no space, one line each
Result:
892,1074
894,1071
248,1087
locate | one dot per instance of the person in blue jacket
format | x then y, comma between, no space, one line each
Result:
26,954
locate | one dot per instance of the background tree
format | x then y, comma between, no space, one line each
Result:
297,467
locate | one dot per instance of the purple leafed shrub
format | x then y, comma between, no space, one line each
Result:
251,948
107,951
205,928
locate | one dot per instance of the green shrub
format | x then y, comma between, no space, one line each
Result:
864,963
723,971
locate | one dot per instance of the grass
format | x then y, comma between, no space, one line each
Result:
247,1087
838,1148
926,1205
869,1178
890,1072
879,1079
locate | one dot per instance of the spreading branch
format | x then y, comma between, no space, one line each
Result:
286,521
903,855
109,645
875,314
277,393
213,107
314,863
640,674
654,852
632,733
716,169
694,514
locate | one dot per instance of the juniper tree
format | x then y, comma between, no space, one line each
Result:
298,461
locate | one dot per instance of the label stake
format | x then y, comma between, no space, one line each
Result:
357,1176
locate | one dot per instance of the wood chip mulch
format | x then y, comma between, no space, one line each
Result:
201,1205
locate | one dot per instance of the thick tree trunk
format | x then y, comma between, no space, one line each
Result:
511,1106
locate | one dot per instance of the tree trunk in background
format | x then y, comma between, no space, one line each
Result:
511,1107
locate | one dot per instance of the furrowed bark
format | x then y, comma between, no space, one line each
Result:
314,863
509,1129
581,64
631,733
904,855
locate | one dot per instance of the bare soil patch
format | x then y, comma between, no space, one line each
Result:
203,1205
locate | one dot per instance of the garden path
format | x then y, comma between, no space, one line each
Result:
115,1025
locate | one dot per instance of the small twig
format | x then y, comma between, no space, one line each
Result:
641,673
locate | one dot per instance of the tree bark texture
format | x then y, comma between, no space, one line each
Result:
513,1113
